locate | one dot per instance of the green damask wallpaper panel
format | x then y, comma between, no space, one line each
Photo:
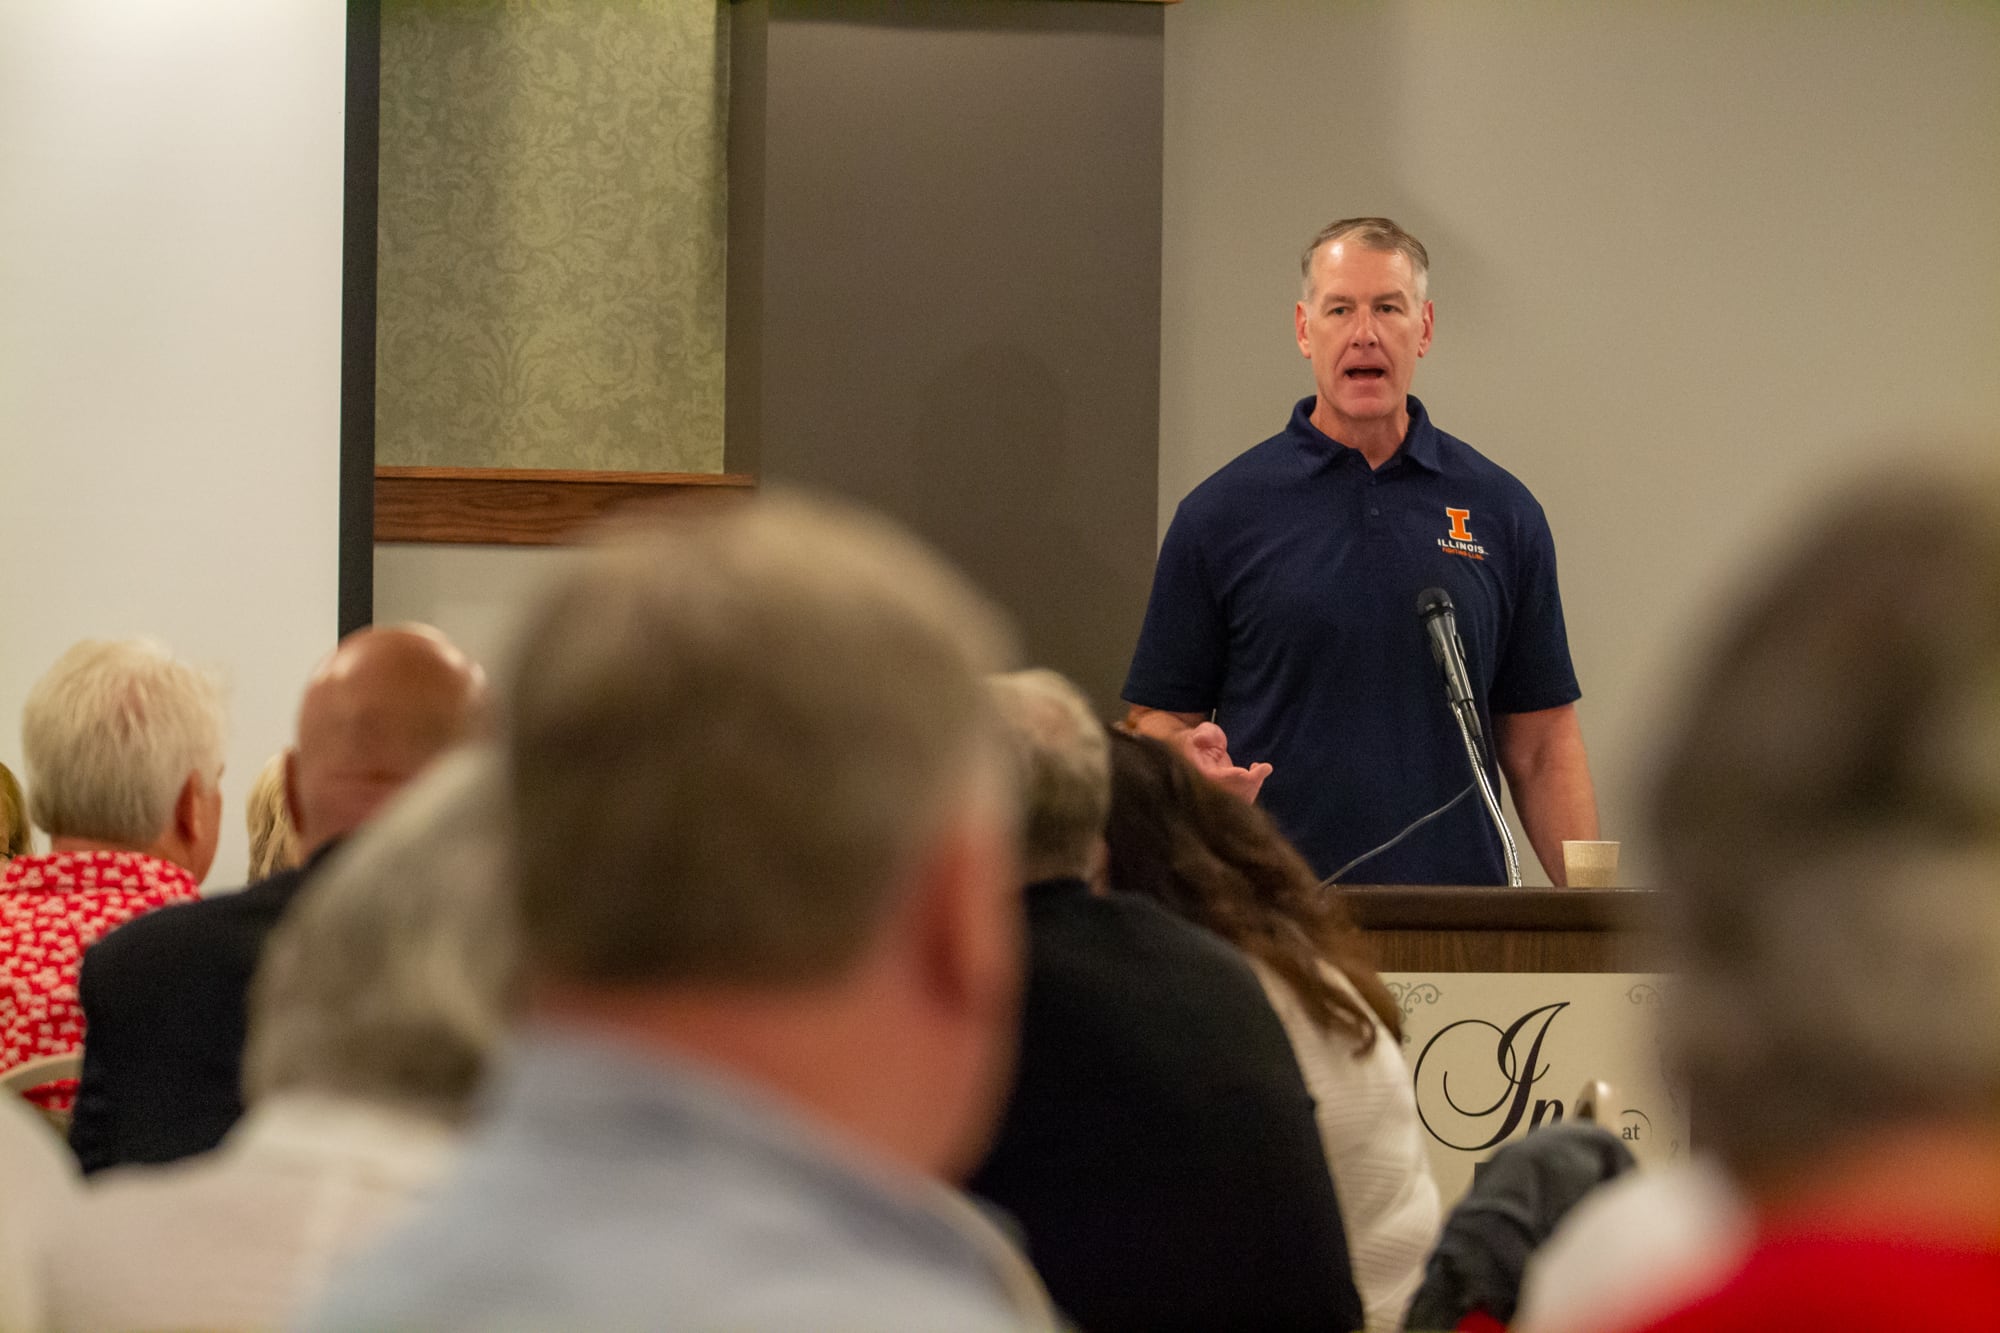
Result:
553,213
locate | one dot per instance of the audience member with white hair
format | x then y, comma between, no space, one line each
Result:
772,926
123,744
1159,1150
1829,822
165,998
373,1014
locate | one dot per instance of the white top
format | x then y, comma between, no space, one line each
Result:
1367,1113
241,1237
38,1186
1635,1249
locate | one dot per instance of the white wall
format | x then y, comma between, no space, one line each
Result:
170,280
1692,262
475,594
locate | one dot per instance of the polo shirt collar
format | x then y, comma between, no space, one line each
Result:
1420,446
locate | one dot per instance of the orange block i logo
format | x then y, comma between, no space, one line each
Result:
1460,542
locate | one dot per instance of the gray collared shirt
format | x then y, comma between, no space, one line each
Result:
617,1190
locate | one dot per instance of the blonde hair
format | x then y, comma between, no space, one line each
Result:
16,835
111,734
731,731
274,843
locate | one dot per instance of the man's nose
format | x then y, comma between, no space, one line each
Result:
1363,333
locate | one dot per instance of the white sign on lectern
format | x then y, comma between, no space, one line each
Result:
1494,1054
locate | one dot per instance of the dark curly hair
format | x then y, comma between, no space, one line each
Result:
1179,839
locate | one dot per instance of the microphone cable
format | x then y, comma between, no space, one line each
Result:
1333,880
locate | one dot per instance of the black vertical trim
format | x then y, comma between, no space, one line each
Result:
357,315
743,337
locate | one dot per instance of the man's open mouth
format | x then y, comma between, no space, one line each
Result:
1365,372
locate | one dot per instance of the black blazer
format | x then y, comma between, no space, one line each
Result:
1159,1150
164,1008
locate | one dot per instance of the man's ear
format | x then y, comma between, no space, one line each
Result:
196,828
1299,330
968,915
191,811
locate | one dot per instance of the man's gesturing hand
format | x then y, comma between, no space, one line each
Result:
1208,748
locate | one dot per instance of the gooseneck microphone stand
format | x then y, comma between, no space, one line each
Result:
1485,785
1434,607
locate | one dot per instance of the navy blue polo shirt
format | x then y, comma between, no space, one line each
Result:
1285,603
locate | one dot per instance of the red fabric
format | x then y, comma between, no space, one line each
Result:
52,908
1851,1284
1479,1322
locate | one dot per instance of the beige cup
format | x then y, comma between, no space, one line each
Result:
1590,865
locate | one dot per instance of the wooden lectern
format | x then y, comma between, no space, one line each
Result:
1497,929
1512,999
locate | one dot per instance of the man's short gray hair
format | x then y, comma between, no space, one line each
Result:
1830,817
730,734
110,735
1064,760
391,979
1370,234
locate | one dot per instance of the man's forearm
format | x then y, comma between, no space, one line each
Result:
1557,805
1160,724
1548,773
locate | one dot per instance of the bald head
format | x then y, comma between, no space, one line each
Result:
379,709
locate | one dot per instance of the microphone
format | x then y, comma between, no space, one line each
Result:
1435,609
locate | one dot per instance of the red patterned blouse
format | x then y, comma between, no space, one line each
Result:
52,908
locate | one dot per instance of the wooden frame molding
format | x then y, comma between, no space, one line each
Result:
526,506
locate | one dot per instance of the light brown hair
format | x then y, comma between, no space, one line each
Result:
730,732
1828,814
1372,234
1177,838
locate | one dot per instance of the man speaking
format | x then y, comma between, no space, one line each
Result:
1285,607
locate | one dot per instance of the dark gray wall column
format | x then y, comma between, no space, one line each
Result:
945,288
